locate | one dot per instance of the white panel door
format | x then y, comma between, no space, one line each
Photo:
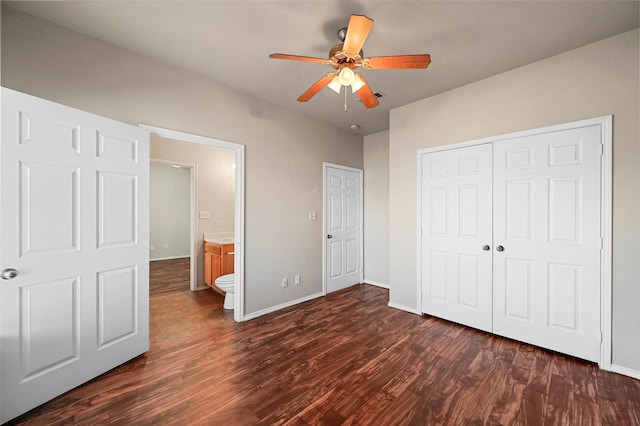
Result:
343,223
547,240
73,227
456,235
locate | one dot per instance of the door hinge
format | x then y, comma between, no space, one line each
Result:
601,243
601,150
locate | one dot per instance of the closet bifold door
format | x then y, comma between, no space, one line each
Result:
456,235
546,259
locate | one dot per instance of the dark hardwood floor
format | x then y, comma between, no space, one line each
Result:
344,359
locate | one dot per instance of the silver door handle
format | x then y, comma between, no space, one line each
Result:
485,247
8,274
500,248
329,236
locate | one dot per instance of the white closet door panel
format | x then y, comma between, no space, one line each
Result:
547,218
456,271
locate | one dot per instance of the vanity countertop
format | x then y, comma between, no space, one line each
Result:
218,240
219,237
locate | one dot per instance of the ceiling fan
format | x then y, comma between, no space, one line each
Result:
347,56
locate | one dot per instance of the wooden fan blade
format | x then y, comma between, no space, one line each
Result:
395,62
317,86
299,58
366,95
357,32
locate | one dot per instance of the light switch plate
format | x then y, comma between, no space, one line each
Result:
205,214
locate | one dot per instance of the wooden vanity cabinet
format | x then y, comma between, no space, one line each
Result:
218,260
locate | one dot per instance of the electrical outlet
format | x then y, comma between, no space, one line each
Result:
313,215
285,282
152,247
297,279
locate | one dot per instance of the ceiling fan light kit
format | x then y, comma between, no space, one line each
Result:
345,57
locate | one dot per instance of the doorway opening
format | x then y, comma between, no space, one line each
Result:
189,151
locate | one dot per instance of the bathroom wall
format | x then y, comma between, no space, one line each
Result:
215,186
169,211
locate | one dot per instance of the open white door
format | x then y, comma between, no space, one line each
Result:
343,226
73,248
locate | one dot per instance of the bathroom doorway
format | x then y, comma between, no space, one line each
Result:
217,196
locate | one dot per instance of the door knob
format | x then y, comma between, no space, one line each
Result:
329,236
485,247
8,274
500,248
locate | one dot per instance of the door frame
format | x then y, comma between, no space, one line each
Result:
193,258
239,213
606,207
325,206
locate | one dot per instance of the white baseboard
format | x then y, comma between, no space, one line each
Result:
257,314
376,283
168,258
404,308
626,371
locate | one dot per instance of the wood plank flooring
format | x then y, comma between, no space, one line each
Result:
345,359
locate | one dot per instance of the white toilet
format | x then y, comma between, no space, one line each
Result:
226,283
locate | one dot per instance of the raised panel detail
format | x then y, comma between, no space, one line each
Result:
518,215
439,211
438,272
117,290
468,211
335,207
336,250
111,147
350,184
566,153
517,159
468,280
55,190
518,286
564,286
49,326
468,166
564,210
352,211
47,134
352,256
335,182
117,212
438,169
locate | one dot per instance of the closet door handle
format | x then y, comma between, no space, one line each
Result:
486,247
500,248
329,236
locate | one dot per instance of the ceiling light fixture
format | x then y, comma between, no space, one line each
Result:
346,77
354,126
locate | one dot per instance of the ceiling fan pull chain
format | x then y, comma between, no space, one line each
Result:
345,99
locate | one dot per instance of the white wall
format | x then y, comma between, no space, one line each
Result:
376,208
595,80
214,187
169,212
284,149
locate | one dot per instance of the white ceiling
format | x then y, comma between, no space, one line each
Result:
230,41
